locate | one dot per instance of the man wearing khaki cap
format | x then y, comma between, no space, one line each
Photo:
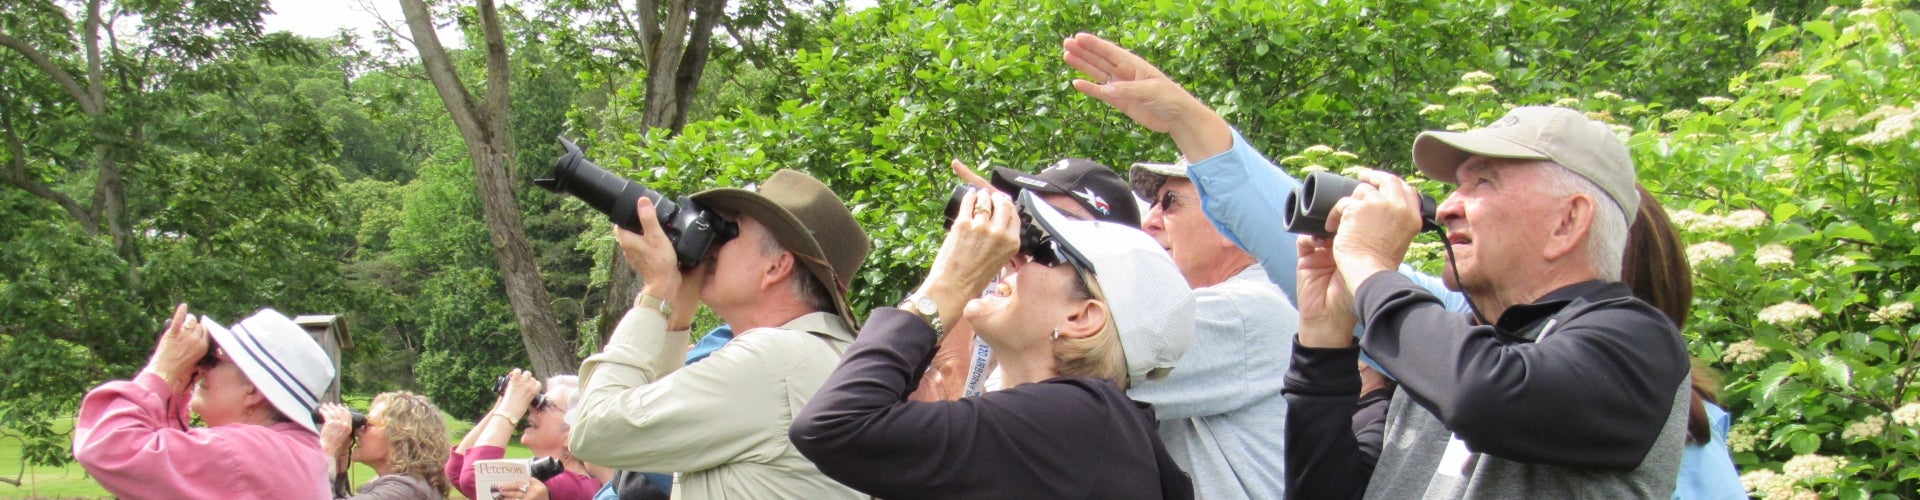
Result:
721,424
1561,385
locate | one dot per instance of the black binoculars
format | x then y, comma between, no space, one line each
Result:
1309,205
359,419
540,402
1033,238
694,230
544,468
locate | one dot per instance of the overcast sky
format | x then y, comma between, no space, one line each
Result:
323,18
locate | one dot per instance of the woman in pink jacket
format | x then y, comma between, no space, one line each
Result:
255,386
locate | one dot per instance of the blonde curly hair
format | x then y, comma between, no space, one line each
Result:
417,437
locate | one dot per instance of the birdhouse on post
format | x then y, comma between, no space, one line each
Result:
330,330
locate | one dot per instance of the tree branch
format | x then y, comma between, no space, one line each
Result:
650,36
59,75
747,46
16,175
446,80
498,75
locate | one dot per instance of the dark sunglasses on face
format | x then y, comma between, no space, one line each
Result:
1049,250
1166,200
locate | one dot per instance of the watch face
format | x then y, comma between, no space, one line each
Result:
925,305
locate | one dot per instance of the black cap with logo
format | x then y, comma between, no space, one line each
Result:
1103,192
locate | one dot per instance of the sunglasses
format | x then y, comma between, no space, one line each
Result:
1047,249
1166,200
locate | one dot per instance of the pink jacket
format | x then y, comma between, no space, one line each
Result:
136,443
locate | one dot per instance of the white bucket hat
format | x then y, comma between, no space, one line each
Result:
280,359
1151,304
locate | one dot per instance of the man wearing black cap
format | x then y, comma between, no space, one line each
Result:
722,423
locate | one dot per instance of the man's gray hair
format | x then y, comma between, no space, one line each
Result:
1607,237
805,285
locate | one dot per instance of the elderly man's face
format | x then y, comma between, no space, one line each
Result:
735,271
1495,221
1176,221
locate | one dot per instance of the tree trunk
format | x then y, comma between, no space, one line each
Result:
483,126
678,47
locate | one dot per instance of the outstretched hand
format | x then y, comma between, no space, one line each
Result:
1134,86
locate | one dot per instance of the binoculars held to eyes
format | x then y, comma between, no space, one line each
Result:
1033,239
1309,205
694,230
540,402
358,419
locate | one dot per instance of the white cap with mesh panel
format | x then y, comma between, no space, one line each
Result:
1149,299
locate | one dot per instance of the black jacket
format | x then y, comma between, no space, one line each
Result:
1067,437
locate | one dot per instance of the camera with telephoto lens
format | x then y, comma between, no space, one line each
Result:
694,230
1309,205
500,389
356,418
1033,239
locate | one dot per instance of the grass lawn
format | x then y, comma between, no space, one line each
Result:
71,481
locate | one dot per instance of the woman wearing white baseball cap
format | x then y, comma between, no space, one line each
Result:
1088,308
255,386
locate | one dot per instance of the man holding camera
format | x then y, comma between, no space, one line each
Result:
721,423
1565,386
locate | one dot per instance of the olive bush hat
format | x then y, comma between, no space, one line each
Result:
807,219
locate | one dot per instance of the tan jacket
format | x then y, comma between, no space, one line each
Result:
720,423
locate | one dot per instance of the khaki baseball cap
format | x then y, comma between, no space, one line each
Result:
1559,135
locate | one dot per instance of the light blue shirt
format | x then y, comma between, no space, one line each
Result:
1220,409
1707,470
1244,195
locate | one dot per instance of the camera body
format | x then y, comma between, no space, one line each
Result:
1309,205
694,230
1032,237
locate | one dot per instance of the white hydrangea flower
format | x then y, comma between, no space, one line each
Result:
1812,466
1907,415
1567,102
1708,251
1788,313
1715,102
1606,96
1318,149
1693,221
1892,313
1743,352
1841,261
1745,437
1458,126
1746,219
1486,89
1354,171
1476,77
1813,78
1345,155
1461,90
1676,115
1841,120
1432,108
1895,126
1292,159
1862,12
1773,256
1788,91
1771,65
1866,428
1916,227
1314,168
1756,481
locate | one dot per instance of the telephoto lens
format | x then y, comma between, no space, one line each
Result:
1308,206
692,229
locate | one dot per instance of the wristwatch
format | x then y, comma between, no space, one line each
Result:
656,303
923,306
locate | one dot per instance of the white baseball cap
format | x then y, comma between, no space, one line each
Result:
1149,298
280,359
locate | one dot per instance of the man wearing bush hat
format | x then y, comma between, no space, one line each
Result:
721,423
1561,385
